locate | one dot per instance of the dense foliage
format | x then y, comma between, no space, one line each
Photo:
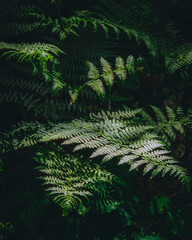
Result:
96,107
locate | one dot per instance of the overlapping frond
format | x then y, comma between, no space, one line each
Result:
111,137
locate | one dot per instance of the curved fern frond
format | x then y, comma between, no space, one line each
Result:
81,19
24,52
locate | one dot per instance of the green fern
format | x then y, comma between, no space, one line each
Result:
108,74
33,53
30,52
134,138
67,26
44,53
72,179
112,135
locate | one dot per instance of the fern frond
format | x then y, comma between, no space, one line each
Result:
70,26
29,52
33,53
70,178
108,74
129,142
